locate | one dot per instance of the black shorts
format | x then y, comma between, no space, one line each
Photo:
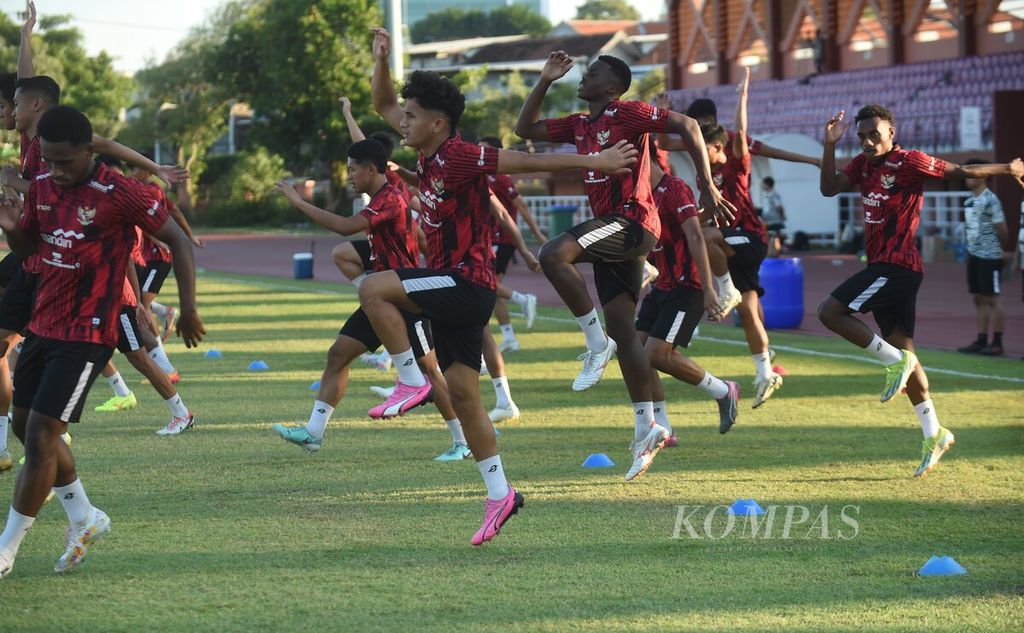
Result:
358,326
363,249
458,311
502,256
745,264
129,338
152,276
671,315
54,377
9,266
887,291
18,298
983,275
622,246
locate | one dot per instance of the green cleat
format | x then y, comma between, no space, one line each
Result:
119,403
932,450
299,436
897,375
457,452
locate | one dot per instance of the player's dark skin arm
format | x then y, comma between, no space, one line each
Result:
1014,168
190,326
508,227
339,224
830,181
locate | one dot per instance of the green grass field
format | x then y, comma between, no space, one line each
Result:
228,528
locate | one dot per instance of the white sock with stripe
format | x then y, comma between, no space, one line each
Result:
593,331
318,419
714,387
17,526
177,407
455,428
508,333
159,309
884,351
159,357
502,393
661,415
494,477
926,414
3,433
408,370
75,501
519,299
118,384
762,364
725,286
643,418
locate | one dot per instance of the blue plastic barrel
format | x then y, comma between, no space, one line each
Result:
783,282
302,265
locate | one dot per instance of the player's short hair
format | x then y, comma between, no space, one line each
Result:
64,124
41,86
714,133
493,141
369,152
768,180
701,108
386,140
976,161
434,92
874,110
110,161
620,69
8,84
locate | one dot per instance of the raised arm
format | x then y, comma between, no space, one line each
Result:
780,154
739,139
508,227
1014,168
711,200
190,326
831,181
337,223
613,160
26,68
524,212
529,125
385,101
170,174
353,127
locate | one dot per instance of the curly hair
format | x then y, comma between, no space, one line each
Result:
434,92
872,111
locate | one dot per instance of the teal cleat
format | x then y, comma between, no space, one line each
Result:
299,436
458,451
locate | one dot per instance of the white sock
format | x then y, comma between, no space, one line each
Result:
661,415
177,407
159,357
75,501
714,387
725,286
519,299
507,332
3,433
455,427
17,526
926,414
407,368
593,331
643,418
502,392
318,419
358,280
159,310
118,385
763,364
494,477
884,351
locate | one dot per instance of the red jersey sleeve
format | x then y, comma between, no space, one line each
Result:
682,201
638,117
917,166
754,146
29,222
854,169
739,166
467,161
135,203
561,130
503,187
383,208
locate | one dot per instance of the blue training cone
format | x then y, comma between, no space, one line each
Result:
213,353
941,566
315,386
598,460
746,507
258,365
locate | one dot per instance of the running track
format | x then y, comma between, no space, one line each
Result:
945,314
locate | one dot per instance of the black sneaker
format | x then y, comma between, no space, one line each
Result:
974,348
991,350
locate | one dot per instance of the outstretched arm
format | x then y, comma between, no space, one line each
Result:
529,125
385,101
350,121
831,181
739,139
170,174
26,68
780,154
613,160
339,224
1014,168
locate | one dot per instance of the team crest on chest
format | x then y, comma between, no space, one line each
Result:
437,184
86,216
888,181
602,137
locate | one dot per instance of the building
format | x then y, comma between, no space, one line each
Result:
415,10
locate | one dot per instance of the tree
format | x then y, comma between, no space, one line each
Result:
454,24
607,10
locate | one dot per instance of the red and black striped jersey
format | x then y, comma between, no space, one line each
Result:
31,166
733,180
632,121
392,233
505,191
84,237
671,255
455,210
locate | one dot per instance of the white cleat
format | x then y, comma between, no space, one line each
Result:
763,389
530,310
504,414
508,345
726,303
593,367
644,451
80,539
177,426
6,562
383,392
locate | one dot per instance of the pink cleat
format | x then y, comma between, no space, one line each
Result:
495,515
403,398
671,442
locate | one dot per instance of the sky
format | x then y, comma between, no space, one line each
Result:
137,31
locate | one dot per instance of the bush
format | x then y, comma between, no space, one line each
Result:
274,211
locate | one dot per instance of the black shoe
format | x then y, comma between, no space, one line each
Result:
973,348
991,350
